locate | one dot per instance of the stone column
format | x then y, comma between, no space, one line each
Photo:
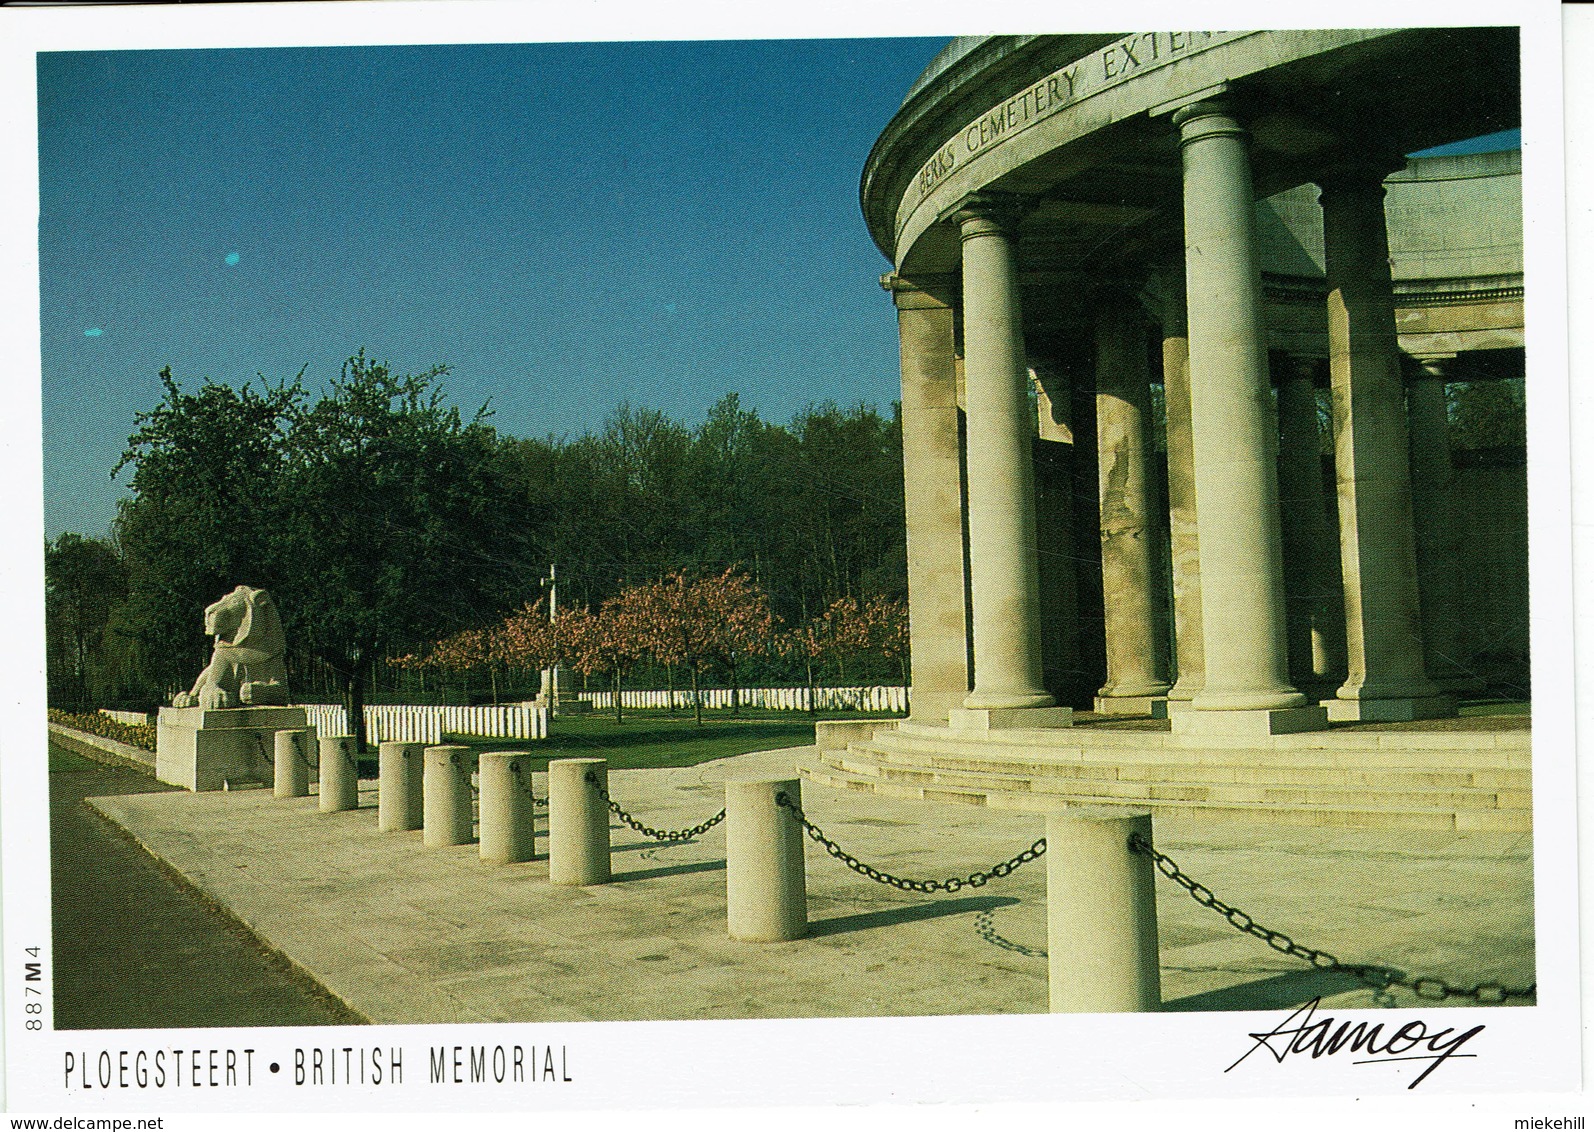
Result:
1434,519
1101,913
340,779
1090,634
1247,687
1057,560
1378,561
1136,681
1001,497
291,763
445,797
508,829
578,822
1314,607
400,803
1185,548
766,885
932,496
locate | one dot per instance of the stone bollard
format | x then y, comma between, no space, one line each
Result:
446,801
399,801
578,822
340,774
291,777
1101,913
508,828
766,885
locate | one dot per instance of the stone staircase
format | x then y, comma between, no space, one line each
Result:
1461,775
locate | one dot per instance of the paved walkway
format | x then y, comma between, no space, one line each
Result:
134,948
405,934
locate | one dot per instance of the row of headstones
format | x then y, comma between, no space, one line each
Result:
1101,907
879,697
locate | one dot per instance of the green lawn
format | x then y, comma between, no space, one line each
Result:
651,738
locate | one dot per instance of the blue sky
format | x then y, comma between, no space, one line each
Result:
568,226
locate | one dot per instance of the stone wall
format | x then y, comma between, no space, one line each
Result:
101,749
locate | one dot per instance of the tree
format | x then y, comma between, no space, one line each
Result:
528,640
740,620
736,466
383,521
840,634
611,640
642,455
850,631
611,508
813,510
725,618
887,620
462,653
397,524
802,644
84,582
412,662
838,510
676,635
203,514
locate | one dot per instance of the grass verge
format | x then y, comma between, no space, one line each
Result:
653,738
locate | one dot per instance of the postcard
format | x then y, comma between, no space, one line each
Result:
707,565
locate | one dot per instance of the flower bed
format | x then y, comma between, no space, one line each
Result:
134,734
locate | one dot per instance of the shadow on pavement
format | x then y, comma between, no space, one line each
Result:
906,915
1276,993
670,871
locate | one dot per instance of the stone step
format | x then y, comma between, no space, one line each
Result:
1355,737
1375,772
1072,746
1150,790
1366,816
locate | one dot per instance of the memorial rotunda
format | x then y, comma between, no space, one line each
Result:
1227,232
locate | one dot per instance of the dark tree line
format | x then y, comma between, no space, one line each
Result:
384,520
812,511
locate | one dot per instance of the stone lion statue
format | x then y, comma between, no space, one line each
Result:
246,667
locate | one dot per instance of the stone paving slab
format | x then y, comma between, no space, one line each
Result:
403,934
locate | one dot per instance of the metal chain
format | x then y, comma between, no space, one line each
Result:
951,884
647,830
298,750
514,770
457,761
476,791
271,759
1379,978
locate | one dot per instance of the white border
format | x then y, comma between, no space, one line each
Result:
1000,1065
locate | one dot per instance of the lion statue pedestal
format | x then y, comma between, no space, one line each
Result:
201,748
224,729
